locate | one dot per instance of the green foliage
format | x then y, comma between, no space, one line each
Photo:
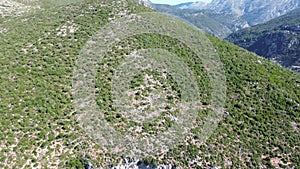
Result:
38,123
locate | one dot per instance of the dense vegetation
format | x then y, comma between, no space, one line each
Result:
39,127
278,39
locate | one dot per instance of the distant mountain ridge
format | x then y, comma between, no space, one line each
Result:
192,5
218,24
222,17
278,39
254,12
183,5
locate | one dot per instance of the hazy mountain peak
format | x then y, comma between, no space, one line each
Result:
192,5
145,2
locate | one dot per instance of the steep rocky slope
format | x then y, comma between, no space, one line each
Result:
278,39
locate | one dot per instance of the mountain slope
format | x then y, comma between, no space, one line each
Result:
218,24
39,126
254,12
222,17
278,39
12,8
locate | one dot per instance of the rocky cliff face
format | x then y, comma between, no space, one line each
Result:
255,12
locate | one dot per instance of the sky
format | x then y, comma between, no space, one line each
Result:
175,2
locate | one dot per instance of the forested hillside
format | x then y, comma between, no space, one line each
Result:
40,126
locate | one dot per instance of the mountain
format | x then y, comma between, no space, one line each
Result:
41,120
183,5
192,5
278,39
218,24
254,12
222,17
146,3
